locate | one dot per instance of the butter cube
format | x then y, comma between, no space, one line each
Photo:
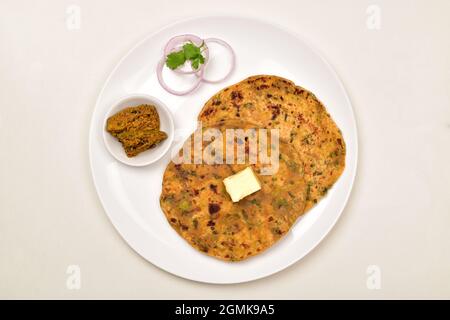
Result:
242,184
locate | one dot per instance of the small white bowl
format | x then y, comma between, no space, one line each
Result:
151,155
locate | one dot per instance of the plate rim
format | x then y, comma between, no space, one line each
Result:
310,47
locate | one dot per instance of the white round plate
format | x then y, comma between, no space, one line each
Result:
130,195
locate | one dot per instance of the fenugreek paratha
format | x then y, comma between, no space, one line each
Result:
274,102
199,208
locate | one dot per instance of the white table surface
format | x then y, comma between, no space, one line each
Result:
397,218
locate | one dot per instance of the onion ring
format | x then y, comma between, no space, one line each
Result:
174,43
159,70
233,60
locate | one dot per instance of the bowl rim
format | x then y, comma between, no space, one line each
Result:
159,105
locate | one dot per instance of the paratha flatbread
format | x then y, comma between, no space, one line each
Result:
199,208
275,102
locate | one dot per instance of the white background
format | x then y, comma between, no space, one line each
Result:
398,215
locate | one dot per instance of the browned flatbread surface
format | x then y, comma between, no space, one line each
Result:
199,208
274,102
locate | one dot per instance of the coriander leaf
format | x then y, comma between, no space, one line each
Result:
191,51
175,59
195,63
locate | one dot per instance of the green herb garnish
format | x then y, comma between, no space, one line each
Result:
190,52
175,59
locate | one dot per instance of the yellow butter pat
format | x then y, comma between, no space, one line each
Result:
242,184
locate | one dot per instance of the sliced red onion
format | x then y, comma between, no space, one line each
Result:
233,60
176,43
159,71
